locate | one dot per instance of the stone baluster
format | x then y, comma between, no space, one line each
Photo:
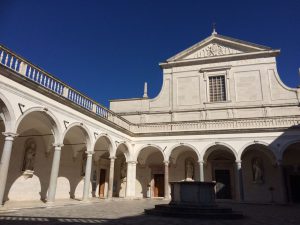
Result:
54,173
111,176
1,56
87,178
239,180
166,181
5,160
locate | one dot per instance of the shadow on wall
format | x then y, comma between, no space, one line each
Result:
271,172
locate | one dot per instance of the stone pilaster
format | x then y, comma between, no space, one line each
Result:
111,176
239,180
201,170
5,159
87,178
131,178
166,181
54,173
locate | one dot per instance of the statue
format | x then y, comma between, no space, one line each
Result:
83,163
29,156
123,170
257,171
189,170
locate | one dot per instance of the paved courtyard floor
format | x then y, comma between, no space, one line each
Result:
131,212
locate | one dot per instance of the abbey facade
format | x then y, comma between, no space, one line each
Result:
222,115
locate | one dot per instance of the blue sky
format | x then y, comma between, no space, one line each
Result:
108,49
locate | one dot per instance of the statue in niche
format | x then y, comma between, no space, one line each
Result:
29,156
257,171
189,170
83,163
123,173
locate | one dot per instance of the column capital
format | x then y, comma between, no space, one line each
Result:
89,153
279,162
238,161
201,161
131,162
58,146
112,158
166,162
9,135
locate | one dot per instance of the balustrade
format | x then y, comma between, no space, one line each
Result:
23,68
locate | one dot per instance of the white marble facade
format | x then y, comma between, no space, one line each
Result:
57,143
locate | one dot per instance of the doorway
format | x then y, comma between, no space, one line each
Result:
102,183
159,185
223,187
295,187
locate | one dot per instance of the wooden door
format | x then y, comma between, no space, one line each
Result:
102,183
158,185
223,187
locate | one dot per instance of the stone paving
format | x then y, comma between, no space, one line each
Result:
120,212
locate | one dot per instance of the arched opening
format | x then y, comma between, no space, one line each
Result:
3,116
100,172
291,165
184,164
70,182
150,173
261,180
32,157
220,167
120,174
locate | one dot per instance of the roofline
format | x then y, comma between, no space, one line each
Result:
245,43
261,54
126,99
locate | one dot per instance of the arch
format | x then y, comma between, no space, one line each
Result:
126,152
270,153
285,147
149,145
110,143
57,131
208,150
85,130
8,117
193,148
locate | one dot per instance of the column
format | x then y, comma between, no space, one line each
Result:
111,176
166,183
130,179
201,172
54,173
282,181
87,177
239,180
5,159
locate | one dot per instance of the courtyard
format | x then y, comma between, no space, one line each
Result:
118,211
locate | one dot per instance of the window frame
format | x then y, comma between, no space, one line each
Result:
213,72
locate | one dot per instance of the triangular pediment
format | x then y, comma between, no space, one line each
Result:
216,46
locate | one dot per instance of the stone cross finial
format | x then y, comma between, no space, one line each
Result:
214,29
145,90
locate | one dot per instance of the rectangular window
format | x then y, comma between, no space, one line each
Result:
217,89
